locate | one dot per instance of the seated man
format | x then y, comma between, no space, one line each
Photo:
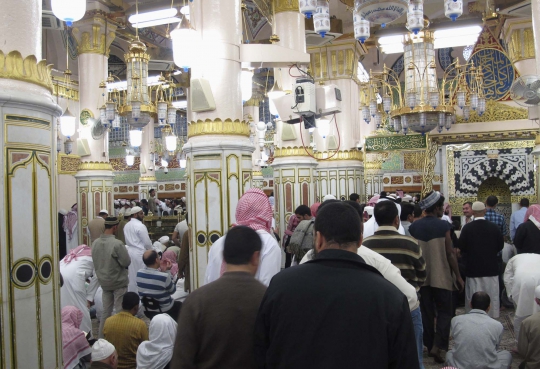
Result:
126,332
155,286
477,337
529,338
104,355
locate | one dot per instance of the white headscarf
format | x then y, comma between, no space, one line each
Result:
158,352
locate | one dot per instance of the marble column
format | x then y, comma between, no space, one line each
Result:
294,167
251,112
340,170
30,322
147,179
219,152
94,33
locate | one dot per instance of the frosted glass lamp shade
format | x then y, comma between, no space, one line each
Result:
170,142
130,160
67,123
171,115
69,11
135,137
184,43
162,111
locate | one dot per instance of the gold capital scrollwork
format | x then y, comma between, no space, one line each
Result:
94,36
340,155
521,45
95,165
292,151
13,66
257,173
219,127
281,6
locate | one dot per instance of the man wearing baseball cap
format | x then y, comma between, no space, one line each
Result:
96,226
480,242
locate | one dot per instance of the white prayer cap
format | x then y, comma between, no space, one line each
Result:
123,202
127,213
369,210
329,197
63,211
407,198
135,210
102,349
183,199
133,203
537,292
164,240
104,211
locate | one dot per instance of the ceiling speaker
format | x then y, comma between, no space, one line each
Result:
202,98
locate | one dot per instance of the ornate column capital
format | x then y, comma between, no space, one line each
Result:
281,6
95,33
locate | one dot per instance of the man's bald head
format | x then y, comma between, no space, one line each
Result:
151,258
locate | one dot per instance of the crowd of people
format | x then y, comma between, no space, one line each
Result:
362,285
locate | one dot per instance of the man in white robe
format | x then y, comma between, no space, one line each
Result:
521,277
71,229
253,211
137,241
76,268
371,226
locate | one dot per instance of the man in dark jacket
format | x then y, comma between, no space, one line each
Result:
334,311
480,242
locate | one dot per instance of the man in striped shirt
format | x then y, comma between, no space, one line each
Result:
404,253
155,286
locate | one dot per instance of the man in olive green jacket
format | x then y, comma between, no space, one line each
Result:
111,260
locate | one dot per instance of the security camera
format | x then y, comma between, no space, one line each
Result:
359,147
166,170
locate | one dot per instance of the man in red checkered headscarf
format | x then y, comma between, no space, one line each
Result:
254,211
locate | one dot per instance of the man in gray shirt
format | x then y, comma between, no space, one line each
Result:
477,337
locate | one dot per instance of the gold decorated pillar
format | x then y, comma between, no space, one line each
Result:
294,166
251,113
219,151
519,36
30,322
94,33
340,157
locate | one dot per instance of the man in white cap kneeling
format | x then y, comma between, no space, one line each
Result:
104,355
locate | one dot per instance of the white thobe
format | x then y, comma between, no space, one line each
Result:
389,271
136,234
521,277
269,265
137,241
74,292
371,226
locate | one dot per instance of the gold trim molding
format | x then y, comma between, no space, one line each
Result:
281,152
13,66
485,136
68,164
61,91
253,102
148,179
496,112
95,165
281,6
257,173
219,127
341,155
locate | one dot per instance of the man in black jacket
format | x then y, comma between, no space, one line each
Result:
334,311
480,242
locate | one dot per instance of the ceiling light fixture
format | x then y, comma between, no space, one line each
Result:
156,22
153,15
69,11
184,39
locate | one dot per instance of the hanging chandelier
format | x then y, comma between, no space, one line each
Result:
423,103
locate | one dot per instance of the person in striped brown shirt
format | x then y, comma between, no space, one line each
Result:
404,253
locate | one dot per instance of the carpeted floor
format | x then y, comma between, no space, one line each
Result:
507,342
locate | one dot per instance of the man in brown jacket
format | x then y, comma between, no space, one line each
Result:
225,308
96,226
